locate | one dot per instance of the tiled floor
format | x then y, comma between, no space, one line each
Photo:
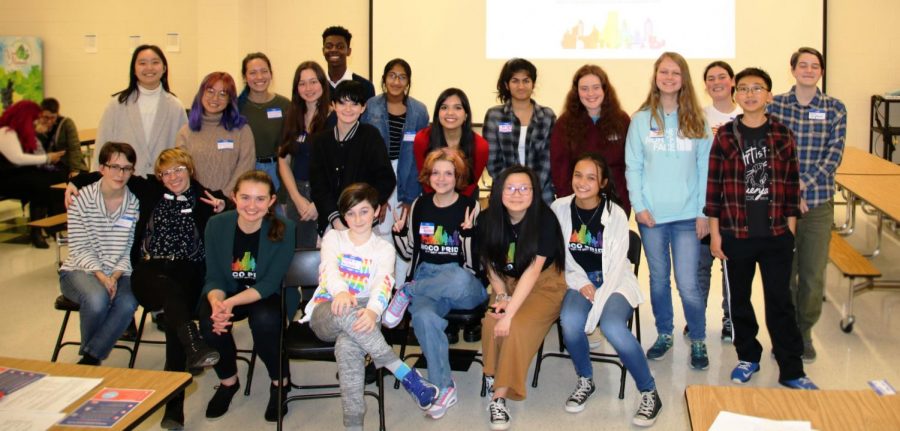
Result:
28,326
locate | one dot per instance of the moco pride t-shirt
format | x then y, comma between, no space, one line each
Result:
585,242
244,254
547,244
437,232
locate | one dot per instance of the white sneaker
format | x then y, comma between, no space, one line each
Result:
499,414
446,399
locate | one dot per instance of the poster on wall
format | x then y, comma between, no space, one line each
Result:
21,69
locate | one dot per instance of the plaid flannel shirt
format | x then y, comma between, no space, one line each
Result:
820,130
503,146
726,183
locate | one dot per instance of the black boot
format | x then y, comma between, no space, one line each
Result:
37,234
198,354
271,414
173,418
472,333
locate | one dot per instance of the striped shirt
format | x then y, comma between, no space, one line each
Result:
395,132
820,130
100,241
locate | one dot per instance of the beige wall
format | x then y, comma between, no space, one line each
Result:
216,34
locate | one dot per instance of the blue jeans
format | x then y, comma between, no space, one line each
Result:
436,290
270,168
679,237
103,320
614,324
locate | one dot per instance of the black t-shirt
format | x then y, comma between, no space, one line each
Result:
547,245
244,253
437,230
586,239
300,156
755,153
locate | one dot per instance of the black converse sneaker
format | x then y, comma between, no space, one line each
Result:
583,390
499,414
648,410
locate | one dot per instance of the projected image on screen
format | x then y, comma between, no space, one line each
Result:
608,29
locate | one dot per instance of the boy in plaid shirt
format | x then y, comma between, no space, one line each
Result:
752,201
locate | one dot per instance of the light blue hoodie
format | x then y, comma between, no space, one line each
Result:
666,173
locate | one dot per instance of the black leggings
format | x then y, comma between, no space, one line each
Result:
173,287
265,325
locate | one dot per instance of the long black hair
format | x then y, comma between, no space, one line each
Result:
495,232
466,141
122,96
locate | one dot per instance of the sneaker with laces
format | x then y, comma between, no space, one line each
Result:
221,400
422,391
727,329
499,414
801,383
396,309
446,399
648,410
699,359
743,371
660,347
583,390
809,352
489,386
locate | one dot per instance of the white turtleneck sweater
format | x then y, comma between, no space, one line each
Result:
148,101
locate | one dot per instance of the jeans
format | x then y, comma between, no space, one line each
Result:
614,324
679,237
436,290
103,320
270,168
808,270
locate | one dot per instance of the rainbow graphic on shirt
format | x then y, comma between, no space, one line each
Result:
244,267
511,257
436,241
355,273
584,241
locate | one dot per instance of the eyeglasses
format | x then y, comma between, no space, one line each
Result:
754,89
173,171
397,77
120,169
211,93
512,189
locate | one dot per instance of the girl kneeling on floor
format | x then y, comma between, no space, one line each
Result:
602,287
355,282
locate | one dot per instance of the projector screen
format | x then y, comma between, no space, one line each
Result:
464,43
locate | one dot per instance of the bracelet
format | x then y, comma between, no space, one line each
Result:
502,297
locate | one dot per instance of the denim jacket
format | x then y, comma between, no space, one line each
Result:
376,114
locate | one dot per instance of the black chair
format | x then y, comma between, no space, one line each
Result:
464,357
299,342
65,304
634,256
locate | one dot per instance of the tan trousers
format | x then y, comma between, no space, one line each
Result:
508,358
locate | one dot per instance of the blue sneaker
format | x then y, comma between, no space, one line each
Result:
421,390
699,359
801,383
743,371
396,309
660,347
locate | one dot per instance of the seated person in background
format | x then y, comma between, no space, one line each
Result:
58,133
19,178
602,286
336,49
96,275
248,252
436,236
350,152
355,284
168,257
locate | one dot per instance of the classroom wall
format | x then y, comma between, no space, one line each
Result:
215,35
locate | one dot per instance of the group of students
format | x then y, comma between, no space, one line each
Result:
748,180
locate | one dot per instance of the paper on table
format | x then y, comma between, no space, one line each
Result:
728,421
27,420
50,394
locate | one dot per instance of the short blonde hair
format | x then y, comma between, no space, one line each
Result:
173,157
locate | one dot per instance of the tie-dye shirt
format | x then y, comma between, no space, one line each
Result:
364,271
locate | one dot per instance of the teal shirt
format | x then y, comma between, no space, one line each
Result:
666,173
273,259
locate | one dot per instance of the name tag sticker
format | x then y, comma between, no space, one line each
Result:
273,113
187,210
352,263
656,133
882,387
505,127
426,229
817,115
301,138
409,136
225,144
124,221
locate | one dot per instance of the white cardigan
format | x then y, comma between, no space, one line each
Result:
618,276
121,122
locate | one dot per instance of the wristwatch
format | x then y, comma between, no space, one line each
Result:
502,297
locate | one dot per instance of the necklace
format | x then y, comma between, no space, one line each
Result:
578,213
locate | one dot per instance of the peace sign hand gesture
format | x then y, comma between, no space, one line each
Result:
469,219
399,222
